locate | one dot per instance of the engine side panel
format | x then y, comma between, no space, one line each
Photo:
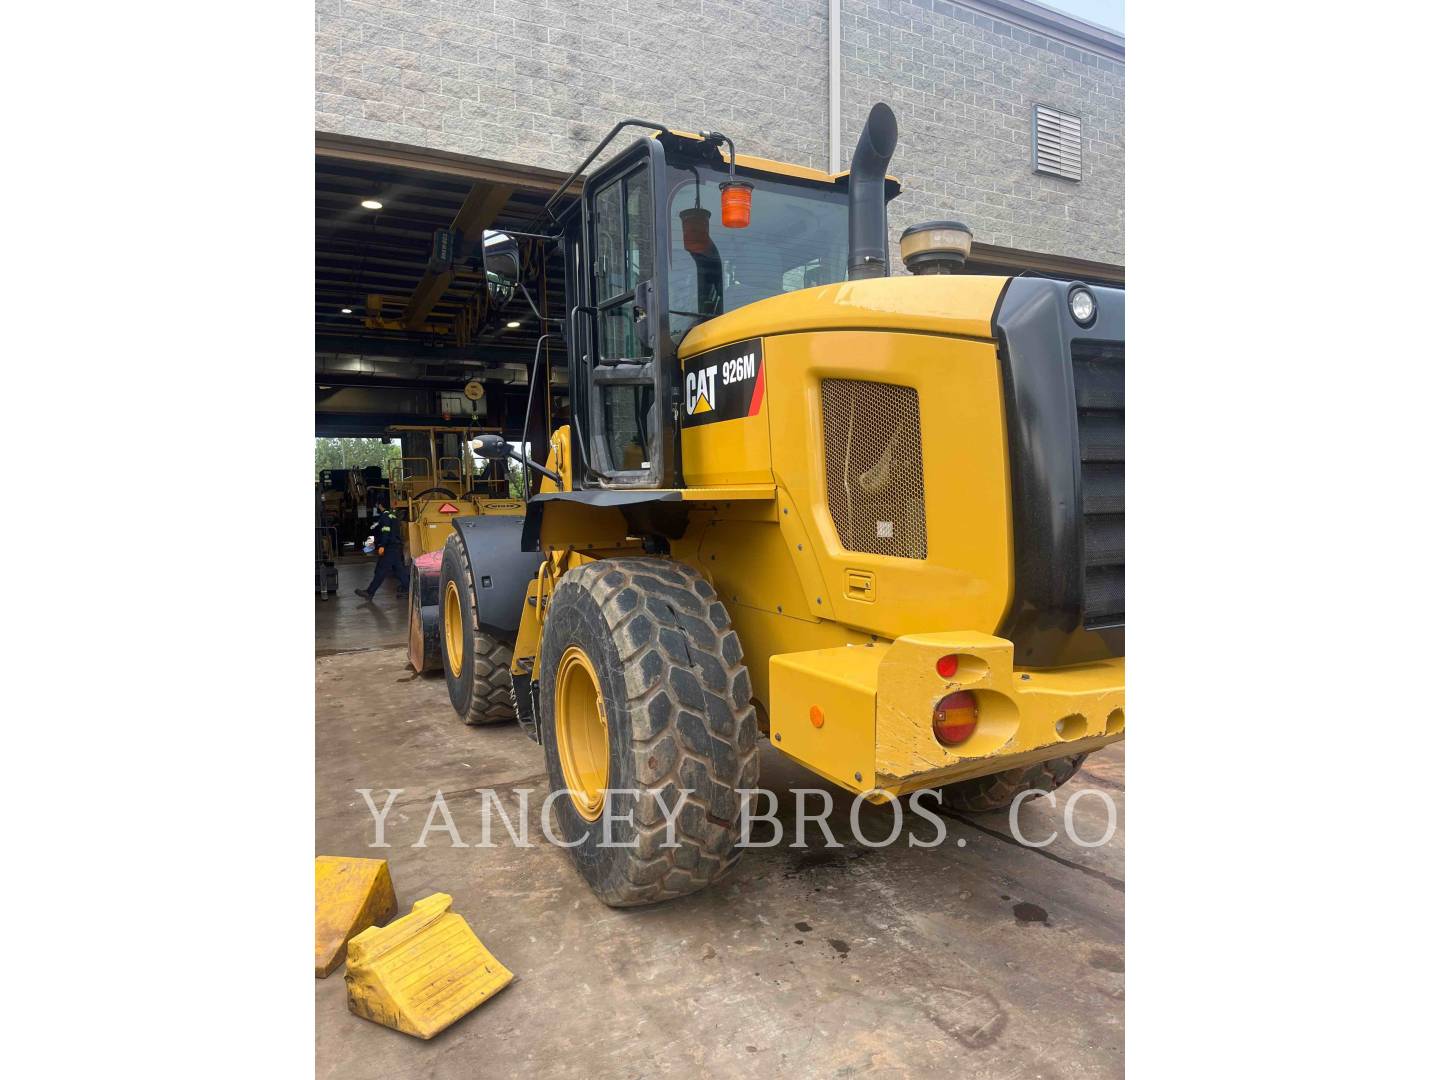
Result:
959,485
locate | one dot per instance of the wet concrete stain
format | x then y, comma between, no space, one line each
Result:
841,947
803,927
974,1019
1026,913
1106,960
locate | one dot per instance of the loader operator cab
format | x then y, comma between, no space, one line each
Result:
656,246
438,461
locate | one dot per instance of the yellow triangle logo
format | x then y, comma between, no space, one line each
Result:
702,404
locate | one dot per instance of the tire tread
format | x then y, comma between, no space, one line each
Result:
683,672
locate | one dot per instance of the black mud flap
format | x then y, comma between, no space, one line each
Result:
500,570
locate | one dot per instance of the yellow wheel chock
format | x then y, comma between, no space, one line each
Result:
351,895
421,973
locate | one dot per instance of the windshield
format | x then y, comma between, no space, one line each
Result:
796,238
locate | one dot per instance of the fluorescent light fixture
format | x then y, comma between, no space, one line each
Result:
512,324
372,204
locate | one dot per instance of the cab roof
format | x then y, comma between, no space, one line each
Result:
761,165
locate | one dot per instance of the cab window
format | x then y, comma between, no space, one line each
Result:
624,257
796,239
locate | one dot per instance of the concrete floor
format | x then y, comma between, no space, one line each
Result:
983,960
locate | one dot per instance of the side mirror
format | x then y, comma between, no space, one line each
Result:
501,255
491,447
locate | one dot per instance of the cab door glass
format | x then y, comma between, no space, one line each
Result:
624,257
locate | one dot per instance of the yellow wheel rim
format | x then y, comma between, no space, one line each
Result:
581,734
454,629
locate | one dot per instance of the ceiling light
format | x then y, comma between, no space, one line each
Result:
512,324
346,311
372,204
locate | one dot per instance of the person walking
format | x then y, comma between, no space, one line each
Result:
390,547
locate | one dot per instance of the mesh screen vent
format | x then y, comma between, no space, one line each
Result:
1057,143
874,474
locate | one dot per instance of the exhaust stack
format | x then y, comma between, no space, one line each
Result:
869,241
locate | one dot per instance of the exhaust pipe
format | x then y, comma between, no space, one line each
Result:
869,239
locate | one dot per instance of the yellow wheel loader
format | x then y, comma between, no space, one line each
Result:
435,479
875,519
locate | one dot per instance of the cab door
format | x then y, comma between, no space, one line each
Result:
625,369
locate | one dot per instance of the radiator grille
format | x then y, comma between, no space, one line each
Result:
1100,407
874,475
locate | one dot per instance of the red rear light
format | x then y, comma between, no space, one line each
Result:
946,666
956,717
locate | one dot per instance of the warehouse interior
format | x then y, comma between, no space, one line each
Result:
412,371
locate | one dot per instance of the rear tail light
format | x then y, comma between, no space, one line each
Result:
947,665
956,717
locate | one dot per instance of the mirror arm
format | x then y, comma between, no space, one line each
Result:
545,237
541,469
526,293
621,126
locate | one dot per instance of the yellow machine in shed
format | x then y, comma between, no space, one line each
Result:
436,478
875,519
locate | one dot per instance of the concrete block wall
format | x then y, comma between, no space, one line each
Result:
538,83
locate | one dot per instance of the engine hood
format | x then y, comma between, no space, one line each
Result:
958,305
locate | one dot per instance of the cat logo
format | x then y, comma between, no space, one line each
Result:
700,389
724,384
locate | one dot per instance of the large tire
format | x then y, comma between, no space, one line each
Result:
998,790
476,664
656,641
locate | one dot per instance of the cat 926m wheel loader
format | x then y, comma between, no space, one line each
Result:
875,519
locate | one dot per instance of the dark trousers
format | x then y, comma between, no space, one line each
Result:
391,564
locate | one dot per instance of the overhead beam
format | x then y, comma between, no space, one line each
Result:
410,349
441,162
479,211
373,425
437,383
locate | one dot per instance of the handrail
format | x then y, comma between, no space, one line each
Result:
563,188
530,405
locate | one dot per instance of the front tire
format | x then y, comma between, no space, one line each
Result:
476,664
644,693
997,791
